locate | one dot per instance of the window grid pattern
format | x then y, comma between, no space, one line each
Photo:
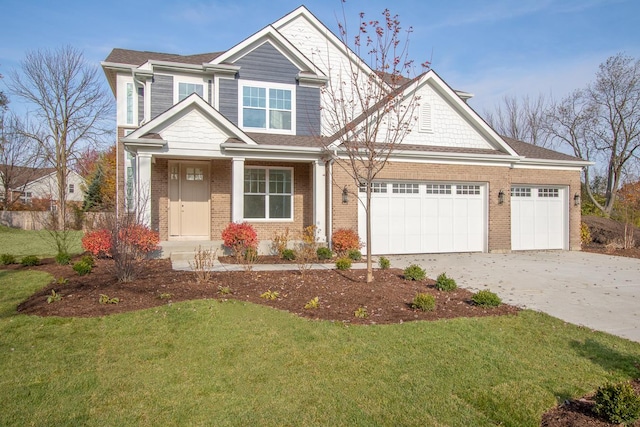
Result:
186,89
520,192
376,187
405,188
468,189
548,192
268,193
438,189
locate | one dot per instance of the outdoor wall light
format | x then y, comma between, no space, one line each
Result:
345,195
576,199
500,197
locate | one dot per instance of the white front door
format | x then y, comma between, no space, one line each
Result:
539,218
189,208
425,217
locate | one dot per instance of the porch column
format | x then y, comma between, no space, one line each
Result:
319,200
237,189
144,188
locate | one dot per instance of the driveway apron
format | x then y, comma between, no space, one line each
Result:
600,292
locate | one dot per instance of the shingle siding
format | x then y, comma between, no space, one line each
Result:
161,94
228,93
267,64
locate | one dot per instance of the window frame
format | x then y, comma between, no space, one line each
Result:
267,86
267,193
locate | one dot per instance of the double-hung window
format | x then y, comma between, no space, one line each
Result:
268,193
186,89
267,108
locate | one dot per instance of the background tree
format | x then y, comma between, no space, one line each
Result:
19,159
522,119
602,124
70,109
369,112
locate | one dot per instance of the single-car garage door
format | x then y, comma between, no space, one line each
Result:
426,217
539,218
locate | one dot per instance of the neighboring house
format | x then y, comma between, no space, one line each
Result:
204,140
30,184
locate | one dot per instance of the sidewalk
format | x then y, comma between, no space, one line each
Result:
218,266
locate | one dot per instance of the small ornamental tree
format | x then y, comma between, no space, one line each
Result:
240,237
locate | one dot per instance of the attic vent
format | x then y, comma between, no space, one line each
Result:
425,118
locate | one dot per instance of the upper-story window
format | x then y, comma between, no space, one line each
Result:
186,89
267,107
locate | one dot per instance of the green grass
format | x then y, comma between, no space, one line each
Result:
29,242
234,363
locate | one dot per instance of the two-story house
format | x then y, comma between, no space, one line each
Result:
207,139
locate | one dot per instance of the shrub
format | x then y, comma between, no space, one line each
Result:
82,268
486,298
355,254
343,263
89,260
63,258
424,302
384,263
6,259
288,254
324,253
414,272
444,283
585,233
344,240
97,242
361,313
30,260
618,403
313,303
239,237
54,297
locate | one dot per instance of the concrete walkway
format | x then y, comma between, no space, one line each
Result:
597,291
601,292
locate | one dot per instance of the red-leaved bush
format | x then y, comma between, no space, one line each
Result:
97,242
139,237
239,237
344,240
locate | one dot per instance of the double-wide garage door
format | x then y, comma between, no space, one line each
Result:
539,218
425,218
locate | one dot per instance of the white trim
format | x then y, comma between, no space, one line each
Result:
267,86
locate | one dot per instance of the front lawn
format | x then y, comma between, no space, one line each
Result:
31,242
207,362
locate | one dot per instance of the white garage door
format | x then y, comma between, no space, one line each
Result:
538,218
411,218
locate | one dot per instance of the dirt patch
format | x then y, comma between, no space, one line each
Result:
579,413
340,293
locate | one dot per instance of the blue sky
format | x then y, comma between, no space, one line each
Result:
490,48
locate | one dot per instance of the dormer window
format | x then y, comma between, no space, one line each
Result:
267,108
186,89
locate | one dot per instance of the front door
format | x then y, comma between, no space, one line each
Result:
189,210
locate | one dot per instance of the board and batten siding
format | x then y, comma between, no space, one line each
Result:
228,99
161,94
267,64
308,111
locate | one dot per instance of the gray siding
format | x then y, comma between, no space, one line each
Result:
267,64
140,104
228,99
308,111
161,94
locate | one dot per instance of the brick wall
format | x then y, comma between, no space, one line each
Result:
498,178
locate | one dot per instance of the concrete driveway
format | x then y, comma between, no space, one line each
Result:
598,291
